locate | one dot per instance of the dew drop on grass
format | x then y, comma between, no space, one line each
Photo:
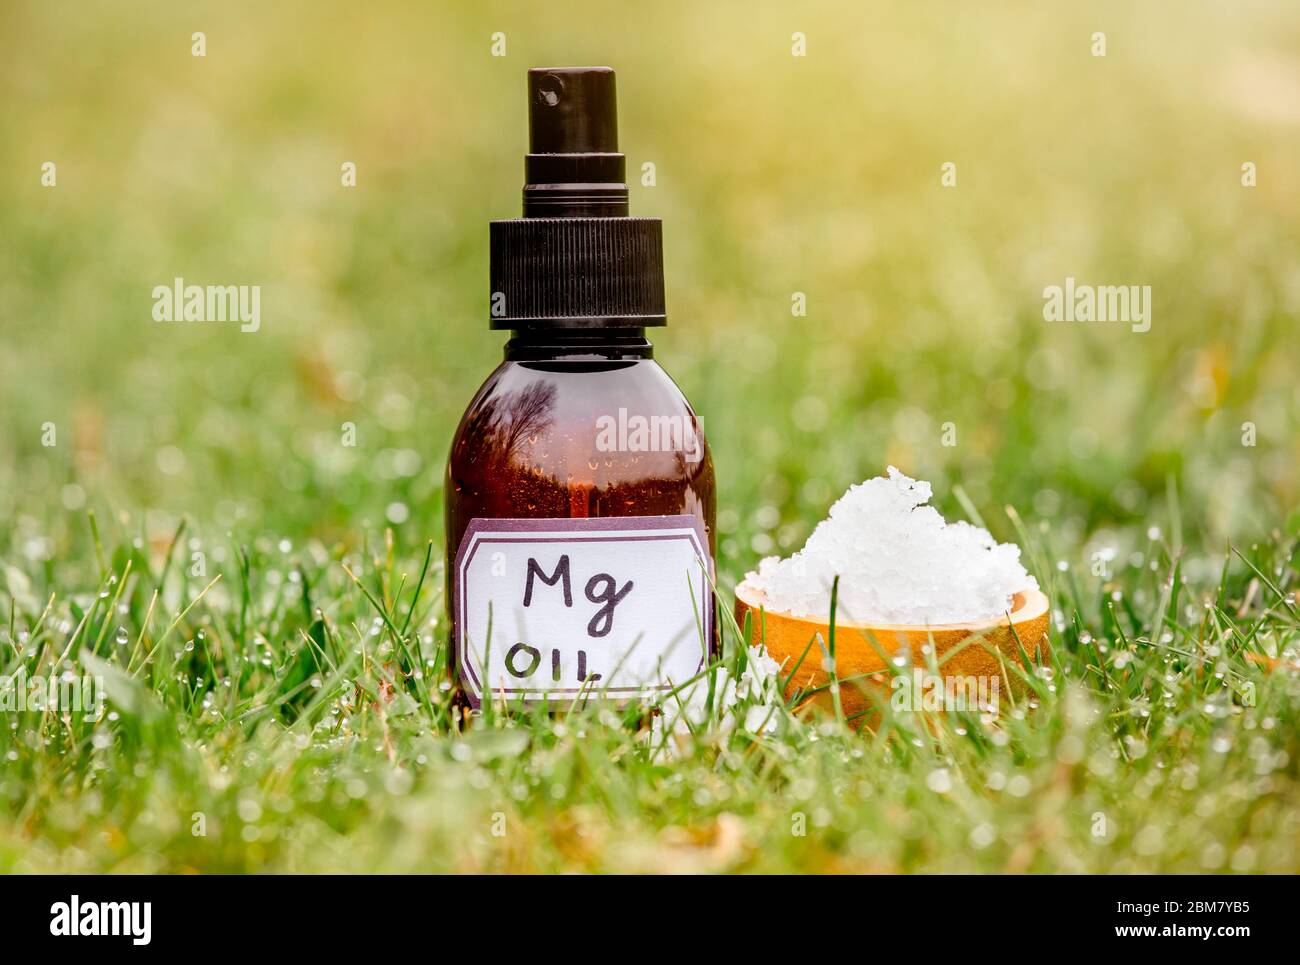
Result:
1019,786
121,636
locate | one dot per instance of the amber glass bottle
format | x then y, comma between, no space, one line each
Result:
580,494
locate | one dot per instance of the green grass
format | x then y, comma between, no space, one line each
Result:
306,718
299,715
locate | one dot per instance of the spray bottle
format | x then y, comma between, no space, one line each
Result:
580,489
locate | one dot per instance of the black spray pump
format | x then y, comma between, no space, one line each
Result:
573,168
576,259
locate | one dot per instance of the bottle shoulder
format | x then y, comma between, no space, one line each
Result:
548,394
609,375
602,421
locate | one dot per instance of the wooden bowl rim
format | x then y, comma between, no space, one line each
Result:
1029,604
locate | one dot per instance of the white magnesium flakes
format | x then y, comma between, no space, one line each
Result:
898,562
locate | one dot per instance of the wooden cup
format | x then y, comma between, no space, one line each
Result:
962,650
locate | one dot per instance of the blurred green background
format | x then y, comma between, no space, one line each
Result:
775,174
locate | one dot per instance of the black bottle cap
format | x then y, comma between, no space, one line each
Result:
575,259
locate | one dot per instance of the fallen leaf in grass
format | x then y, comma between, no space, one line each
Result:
1272,663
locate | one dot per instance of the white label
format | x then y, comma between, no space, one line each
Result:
558,608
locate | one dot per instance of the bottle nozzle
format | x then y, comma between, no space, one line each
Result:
573,168
572,110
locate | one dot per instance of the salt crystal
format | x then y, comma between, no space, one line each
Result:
898,562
